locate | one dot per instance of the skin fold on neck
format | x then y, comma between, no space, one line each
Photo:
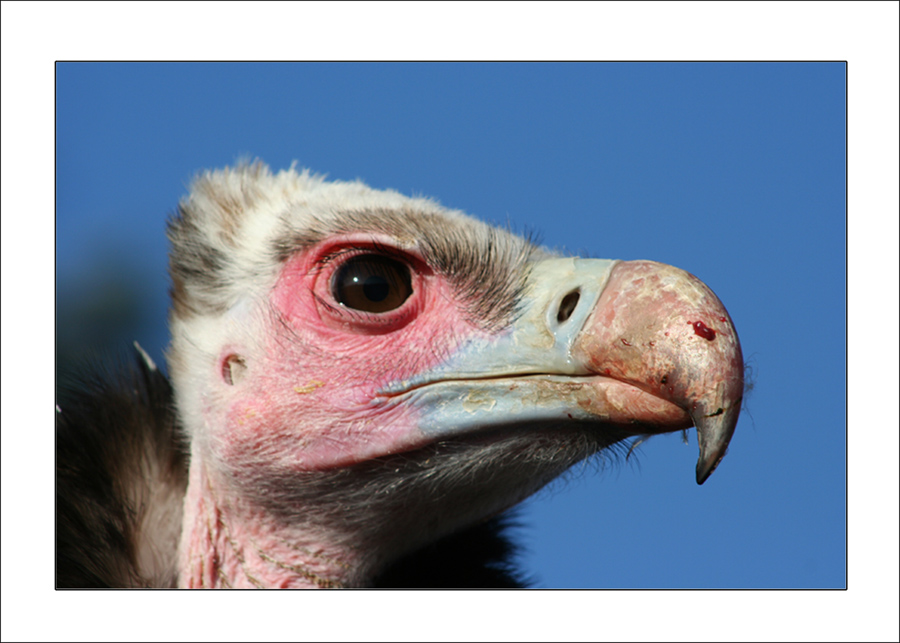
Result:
232,544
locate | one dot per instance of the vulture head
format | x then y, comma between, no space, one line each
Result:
357,375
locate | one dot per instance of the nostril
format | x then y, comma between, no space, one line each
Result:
567,306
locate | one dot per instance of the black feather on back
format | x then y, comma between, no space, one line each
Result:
119,456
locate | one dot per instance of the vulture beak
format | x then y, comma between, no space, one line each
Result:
635,347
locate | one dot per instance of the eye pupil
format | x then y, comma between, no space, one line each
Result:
372,283
376,288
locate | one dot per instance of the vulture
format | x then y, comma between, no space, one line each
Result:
361,385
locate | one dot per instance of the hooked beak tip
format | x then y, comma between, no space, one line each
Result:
714,433
705,467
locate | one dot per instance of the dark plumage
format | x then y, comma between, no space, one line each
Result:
117,446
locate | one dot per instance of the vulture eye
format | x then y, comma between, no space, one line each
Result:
372,283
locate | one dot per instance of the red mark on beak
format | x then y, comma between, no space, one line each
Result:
705,332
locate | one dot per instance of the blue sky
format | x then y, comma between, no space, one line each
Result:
734,172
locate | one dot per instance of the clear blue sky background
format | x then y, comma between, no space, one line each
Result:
734,172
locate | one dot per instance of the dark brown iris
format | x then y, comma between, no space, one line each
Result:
372,283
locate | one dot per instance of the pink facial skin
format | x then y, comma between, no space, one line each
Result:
306,404
659,343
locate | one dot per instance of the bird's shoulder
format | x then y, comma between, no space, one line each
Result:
121,475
